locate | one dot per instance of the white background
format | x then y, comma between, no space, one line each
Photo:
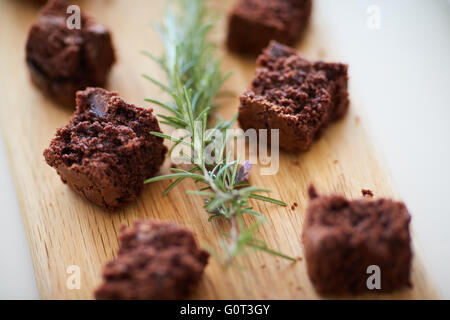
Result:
401,73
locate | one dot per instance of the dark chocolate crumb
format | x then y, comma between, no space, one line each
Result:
367,193
312,192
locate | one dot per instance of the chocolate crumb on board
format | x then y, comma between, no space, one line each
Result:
62,61
312,192
292,94
342,238
155,261
106,151
367,193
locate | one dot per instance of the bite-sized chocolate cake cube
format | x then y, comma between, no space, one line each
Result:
253,23
294,95
106,151
62,61
155,261
342,238
39,2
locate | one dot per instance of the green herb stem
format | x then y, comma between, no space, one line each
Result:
194,79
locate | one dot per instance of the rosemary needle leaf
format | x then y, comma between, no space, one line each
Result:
174,120
267,199
177,181
165,136
252,212
159,84
211,218
251,189
167,176
271,251
172,185
201,193
165,106
151,56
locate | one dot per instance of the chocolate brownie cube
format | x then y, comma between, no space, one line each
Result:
294,95
62,61
253,23
342,238
106,151
38,2
155,261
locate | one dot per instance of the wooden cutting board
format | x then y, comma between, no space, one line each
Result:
63,229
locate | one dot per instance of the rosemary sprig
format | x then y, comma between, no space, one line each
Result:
194,78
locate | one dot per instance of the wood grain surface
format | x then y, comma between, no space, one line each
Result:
63,229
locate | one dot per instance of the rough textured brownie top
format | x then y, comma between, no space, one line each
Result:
104,127
61,53
155,261
278,14
106,151
292,85
377,224
342,238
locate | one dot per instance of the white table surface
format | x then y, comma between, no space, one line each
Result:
402,76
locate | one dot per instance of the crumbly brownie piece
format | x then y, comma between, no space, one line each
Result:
294,95
253,23
106,151
62,61
342,238
155,261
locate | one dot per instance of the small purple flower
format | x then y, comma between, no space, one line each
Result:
243,173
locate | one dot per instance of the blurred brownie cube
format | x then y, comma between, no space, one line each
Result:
62,61
38,2
342,238
297,96
155,261
253,23
106,151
